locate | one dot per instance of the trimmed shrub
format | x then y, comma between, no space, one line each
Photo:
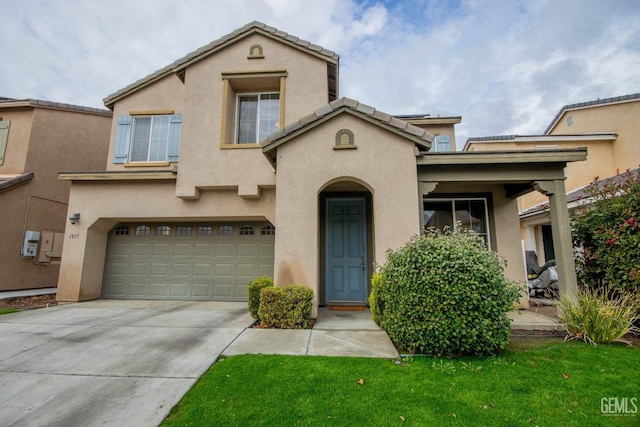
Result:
257,285
606,234
597,317
287,307
375,301
445,293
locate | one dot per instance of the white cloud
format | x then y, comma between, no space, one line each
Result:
505,66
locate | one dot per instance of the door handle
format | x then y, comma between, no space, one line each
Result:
362,262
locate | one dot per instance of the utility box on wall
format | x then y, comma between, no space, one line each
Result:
50,246
30,244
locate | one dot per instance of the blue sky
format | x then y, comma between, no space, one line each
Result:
505,66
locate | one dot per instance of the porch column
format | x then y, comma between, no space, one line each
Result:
424,188
561,231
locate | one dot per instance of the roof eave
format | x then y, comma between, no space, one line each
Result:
504,157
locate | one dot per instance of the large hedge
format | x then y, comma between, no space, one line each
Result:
444,293
606,234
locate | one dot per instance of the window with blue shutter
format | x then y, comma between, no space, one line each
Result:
123,139
148,138
175,129
4,137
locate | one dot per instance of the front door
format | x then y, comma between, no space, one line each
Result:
346,250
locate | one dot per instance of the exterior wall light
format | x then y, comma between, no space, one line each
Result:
74,218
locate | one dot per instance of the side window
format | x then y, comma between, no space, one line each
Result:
441,144
466,213
152,138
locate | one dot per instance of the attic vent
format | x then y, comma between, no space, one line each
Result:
569,120
255,52
344,139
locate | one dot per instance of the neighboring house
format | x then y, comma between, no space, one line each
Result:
609,128
37,140
240,160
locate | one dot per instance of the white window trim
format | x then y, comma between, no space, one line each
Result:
133,132
237,117
453,210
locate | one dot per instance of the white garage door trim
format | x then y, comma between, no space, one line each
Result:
187,261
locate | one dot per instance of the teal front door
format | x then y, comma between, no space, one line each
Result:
346,250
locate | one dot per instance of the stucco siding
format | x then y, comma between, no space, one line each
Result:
309,164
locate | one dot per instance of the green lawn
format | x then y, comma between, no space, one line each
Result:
8,310
549,384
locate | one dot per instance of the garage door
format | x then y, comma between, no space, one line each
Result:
187,261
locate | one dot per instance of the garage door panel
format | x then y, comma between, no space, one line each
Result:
202,269
136,289
203,249
158,289
224,250
223,270
267,251
179,289
181,270
246,271
159,269
183,249
138,268
221,290
247,250
162,249
144,249
201,290
199,266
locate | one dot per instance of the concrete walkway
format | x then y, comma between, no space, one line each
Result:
525,320
335,333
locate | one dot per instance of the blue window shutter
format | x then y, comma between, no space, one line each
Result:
4,137
123,139
175,127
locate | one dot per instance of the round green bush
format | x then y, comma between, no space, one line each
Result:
445,293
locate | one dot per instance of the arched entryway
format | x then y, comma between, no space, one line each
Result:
346,242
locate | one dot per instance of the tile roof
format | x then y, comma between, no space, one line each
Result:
418,135
603,101
215,45
30,102
579,194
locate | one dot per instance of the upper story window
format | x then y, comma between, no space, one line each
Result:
258,116
148,138
441,144
253,106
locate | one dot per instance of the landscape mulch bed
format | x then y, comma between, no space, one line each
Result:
29,303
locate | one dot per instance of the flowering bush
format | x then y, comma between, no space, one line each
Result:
606,234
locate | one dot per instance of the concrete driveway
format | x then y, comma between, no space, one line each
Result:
109,362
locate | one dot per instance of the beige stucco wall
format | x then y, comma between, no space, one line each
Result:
102,205
621,118
383,163
43,141
203,163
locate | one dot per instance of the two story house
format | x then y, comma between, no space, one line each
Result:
608,127
37,140
240,159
